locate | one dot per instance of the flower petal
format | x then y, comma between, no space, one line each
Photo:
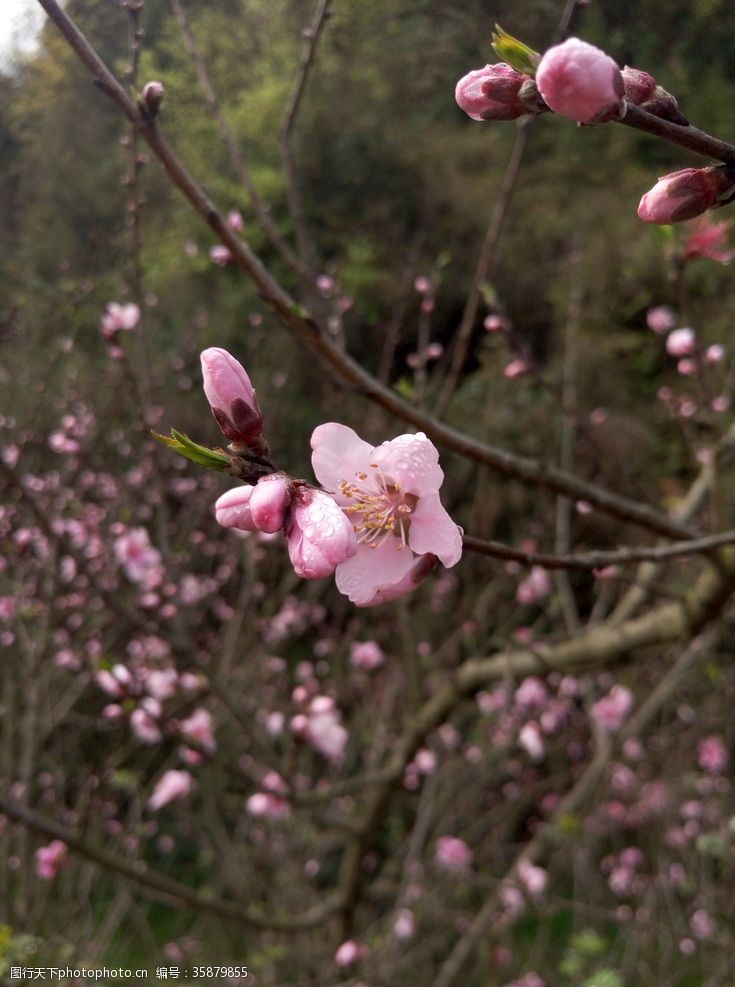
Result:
411,461
359,577
339,453
433,531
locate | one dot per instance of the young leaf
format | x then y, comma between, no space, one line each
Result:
514,53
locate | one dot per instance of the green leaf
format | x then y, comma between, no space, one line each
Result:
210,459
514,53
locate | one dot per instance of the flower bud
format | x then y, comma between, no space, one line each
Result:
685,194
491,93
320,536
638,85
152,96
231,397
269,502
681,342
232,509
581,82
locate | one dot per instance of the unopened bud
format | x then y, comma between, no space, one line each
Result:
231,397
687,193
269,502
581,82
491,93
152,96
641,89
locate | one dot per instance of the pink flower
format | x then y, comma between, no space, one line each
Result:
404,926
266,805
269,502
390,493
144,725
320,536
422,284
220,255
516,368
681,342
199,729
491,93
323,729
531,693
170,786
232,509
161,684
325,284
235,221
530,739
452,853
581,82
534,587
610,712
712,755
350,952
714,354
661,318
534,879
707,239
367,655
685,194
49,859
231,397
119,318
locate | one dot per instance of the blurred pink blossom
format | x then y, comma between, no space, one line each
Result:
172,785
452,853
49,859
612,710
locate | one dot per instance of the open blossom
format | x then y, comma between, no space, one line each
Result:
491,93
685,194
199,729
712,755
350,952
323,729
453,853
367,655
390,493
170,786
139,559
119,318
708,239
661,318
681,342
581,82
231,396
612,710
50,858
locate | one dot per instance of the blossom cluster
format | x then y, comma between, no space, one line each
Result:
376,522
579,81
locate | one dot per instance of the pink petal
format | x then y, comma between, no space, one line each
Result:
339,453
433,531
359,577
411,461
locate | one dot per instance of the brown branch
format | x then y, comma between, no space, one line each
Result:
688,137
169,890
521,468
586,561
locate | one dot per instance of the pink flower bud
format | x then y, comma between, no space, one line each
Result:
491,93
232,509
685,194
320,536
152,96
231,397
50,858
453,853
681,342
235,221
350,952
269,502
714,354
171,785
661,318
581,82
220,254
